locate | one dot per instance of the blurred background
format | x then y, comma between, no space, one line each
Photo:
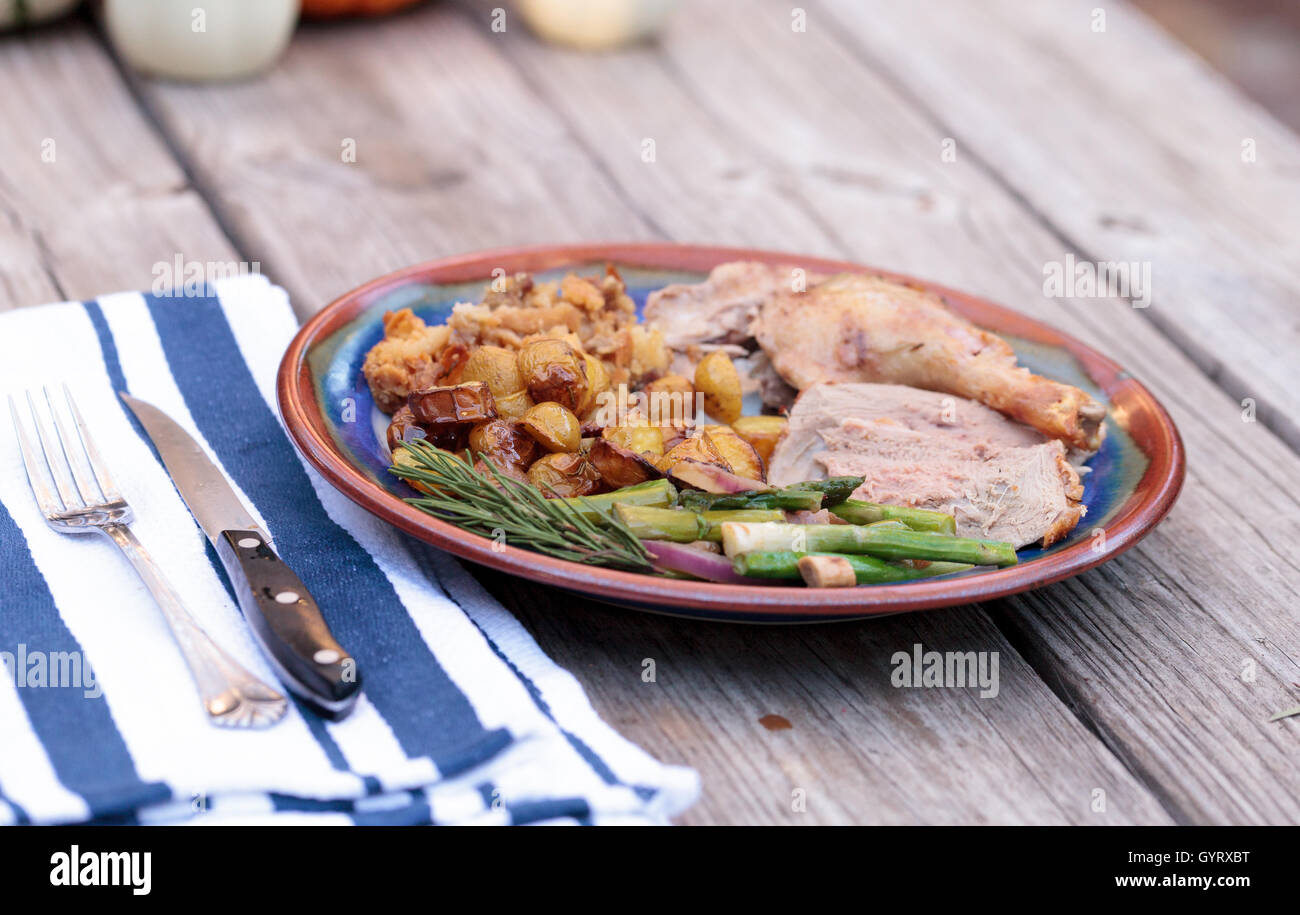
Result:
1255,43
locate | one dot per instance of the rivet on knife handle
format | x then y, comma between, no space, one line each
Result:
288,623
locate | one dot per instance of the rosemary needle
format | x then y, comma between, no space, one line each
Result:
490,504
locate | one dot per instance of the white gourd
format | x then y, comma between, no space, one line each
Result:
210,41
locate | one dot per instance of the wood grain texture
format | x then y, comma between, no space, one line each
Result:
445,98
1152,648
859,750
1129,148
90,198
452,153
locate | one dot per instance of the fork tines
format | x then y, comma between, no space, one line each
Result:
67,456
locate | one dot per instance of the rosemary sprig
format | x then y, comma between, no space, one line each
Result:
491,504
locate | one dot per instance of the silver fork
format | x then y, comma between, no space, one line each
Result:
84,499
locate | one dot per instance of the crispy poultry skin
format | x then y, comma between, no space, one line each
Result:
853,327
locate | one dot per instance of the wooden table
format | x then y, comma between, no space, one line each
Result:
967,143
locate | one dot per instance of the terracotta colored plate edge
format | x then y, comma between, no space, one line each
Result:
1157,437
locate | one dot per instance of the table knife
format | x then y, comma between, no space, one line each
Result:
284,616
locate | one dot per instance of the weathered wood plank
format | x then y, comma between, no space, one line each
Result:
1148,649
445,100
1131,149
90,198
380,145
858,749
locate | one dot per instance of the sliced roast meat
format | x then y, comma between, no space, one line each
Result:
858,328
721,309
1000,480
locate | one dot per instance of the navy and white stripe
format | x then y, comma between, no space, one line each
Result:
464,719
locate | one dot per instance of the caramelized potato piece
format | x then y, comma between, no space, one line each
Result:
717,379
553,370
670,401
742,457
763,432
404,457
507,445
461,403
673,436
555,428
565,474
698,448
404,428
448,413
513,471
642,440
619,466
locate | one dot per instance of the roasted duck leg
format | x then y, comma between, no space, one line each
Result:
853,327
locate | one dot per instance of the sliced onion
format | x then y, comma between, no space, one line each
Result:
681,557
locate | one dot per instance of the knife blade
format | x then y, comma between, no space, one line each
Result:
283,615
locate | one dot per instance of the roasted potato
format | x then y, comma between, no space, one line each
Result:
512,471
461,403
763,432
404,428
448,413
554,427
739,454
717,379
673,436
505,443
639,439
553,370
597,384
514,406
670,401
564,474
619,466
403,456
699,448
497,367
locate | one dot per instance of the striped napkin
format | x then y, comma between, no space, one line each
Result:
463,720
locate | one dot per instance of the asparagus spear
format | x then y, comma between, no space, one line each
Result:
788,499
855,511
650,523
827,572
867,569
714,520
883,542
652,492
834,490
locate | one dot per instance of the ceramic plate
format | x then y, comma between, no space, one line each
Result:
329,412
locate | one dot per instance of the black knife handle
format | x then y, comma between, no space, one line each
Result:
288,623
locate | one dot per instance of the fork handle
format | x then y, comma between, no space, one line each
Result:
231,695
